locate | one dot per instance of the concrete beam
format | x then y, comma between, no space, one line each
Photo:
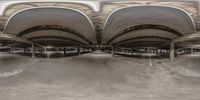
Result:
40,45
11,37
187,37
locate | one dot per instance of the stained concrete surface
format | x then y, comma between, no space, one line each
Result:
98,76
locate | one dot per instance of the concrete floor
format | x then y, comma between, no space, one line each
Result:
98,76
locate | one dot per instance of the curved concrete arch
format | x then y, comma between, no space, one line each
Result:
54,8
57,43
142,44
137,36
58,30
143,30
55,38
117,10
174,18
144,38
53,33
57,16
91,4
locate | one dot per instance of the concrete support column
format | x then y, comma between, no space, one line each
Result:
157,52
113,50
45,50
33,50
40,51
57,50
160,52
172,51
131,51
184,50
78,50
24,50
118,50
88,49
192,50
64,51
11,50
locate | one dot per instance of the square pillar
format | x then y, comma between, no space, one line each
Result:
33,50
131,51
78,50
157,52
57,50
64,51
192,50
24,49
11,50
112,50
172,51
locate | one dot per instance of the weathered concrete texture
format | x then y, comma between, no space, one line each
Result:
108,6
96,76
55,17
120,22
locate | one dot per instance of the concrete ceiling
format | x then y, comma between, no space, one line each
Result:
143,21
57,22
131,26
